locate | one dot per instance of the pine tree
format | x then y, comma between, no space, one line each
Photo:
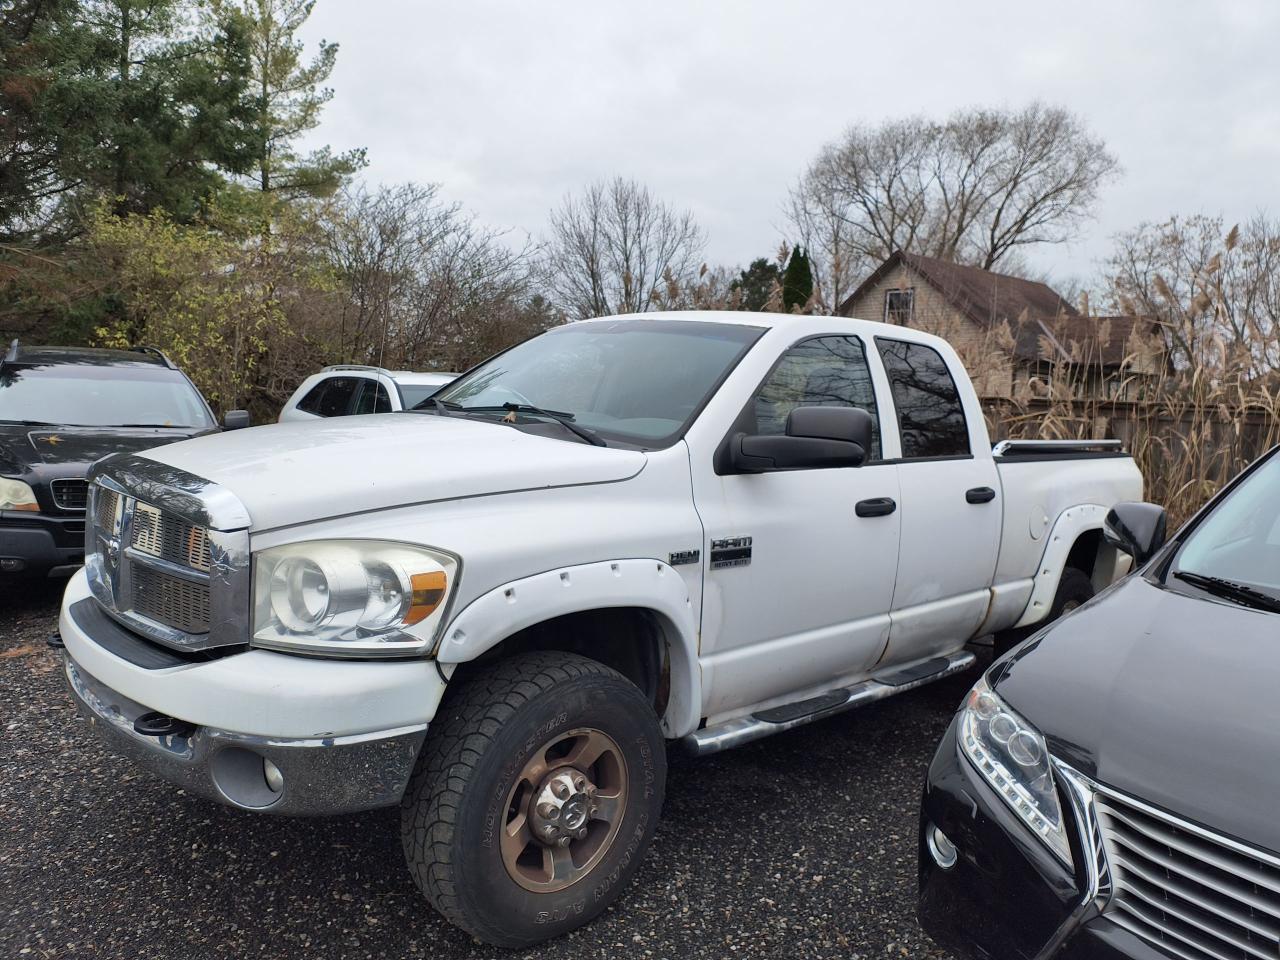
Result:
756,283
797,280
290,96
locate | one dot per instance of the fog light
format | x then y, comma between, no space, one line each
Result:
275,779
941,849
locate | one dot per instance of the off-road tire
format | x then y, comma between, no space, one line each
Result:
485,731
1074,588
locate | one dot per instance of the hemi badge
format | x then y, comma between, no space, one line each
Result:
730,552
681,557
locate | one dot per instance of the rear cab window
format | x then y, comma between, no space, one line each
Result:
931,418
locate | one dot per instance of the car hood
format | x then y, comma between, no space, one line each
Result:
1163,696
24,449
291,473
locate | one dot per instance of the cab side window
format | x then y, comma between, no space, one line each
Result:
373,398
822,372
930,415
331,397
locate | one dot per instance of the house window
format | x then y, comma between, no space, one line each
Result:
899,306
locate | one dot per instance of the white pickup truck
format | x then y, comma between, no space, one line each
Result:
497,610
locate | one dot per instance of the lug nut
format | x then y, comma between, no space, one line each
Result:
564,841
548,831
582,833
560,789
591,789
548,811
580,782
593,809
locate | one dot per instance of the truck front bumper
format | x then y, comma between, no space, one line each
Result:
257,730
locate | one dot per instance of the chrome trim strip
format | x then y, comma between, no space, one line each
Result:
1097,888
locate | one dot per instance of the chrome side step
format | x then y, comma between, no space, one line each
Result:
734,733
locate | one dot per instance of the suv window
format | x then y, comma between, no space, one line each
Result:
84,393
373,398
330,398
822,372
930,415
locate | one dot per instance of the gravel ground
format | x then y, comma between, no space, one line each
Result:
798,846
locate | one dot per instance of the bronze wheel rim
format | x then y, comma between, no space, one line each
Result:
563,811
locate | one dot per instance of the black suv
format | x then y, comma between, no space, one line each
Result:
62,408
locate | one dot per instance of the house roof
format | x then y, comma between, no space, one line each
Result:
985,297
1092,340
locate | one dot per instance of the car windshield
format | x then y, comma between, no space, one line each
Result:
90,395
635,381
1240,540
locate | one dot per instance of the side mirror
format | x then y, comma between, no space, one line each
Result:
816,437
236,420
1137,529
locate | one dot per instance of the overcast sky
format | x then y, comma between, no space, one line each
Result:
718,107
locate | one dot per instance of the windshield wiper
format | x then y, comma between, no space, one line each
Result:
1231,590
564,419
35,423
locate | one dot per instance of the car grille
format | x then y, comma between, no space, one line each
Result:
71,494
160,566
1195,894
170,538
171,600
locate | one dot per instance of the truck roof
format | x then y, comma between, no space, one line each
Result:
744,318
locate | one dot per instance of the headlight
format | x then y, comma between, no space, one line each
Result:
350,597
16,495
1011,754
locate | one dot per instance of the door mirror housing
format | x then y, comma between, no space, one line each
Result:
815,438
236,420
1138,529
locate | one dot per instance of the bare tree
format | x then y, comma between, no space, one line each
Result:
421,284
1214,292
614,247
973,188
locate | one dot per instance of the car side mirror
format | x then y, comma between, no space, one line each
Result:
236,420
1138,529
815,438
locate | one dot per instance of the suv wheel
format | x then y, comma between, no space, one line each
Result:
535,797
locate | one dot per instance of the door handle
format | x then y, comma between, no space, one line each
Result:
875,507
980,495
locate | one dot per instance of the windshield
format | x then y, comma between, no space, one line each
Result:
637,381
415,393
87,395
1240,540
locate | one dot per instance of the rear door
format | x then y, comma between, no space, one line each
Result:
951,509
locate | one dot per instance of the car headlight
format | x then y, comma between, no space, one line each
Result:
16,495
1012,756
356,598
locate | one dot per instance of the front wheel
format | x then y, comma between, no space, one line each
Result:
535,797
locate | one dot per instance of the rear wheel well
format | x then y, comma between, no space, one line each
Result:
632,640
1084,552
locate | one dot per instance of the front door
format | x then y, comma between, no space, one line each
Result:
798,577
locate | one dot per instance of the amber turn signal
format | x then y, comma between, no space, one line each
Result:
428,591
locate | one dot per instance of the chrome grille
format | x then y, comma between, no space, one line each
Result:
1197,895
169,538
164,598
70,494
163,566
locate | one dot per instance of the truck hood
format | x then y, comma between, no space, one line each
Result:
291,473
1167,697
